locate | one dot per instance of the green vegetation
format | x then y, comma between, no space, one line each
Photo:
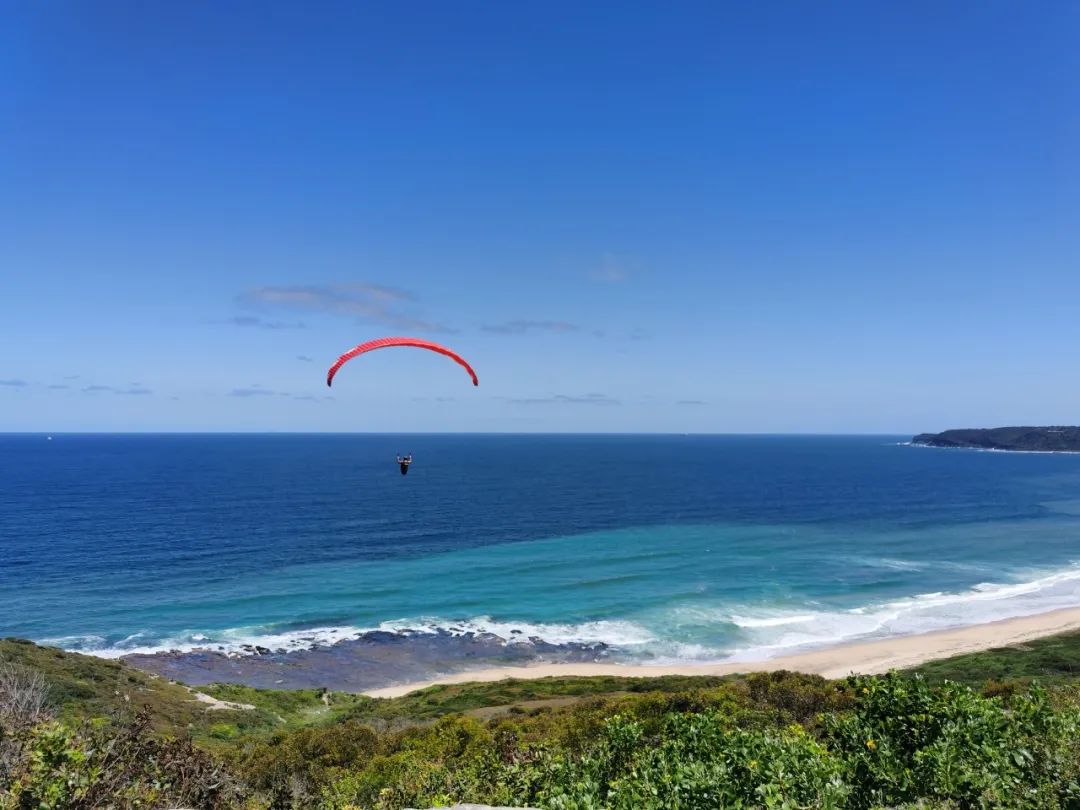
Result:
490,699
1050,660
973,731
83,687
96,765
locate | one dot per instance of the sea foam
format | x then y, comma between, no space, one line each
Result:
688,633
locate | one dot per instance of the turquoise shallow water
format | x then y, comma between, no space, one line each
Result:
663,548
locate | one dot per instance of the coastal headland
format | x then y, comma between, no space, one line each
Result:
1061,439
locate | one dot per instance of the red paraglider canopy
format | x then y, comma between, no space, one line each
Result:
382,343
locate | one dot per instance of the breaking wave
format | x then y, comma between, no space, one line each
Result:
702,632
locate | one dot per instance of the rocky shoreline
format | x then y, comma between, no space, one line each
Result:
371,660
1063,439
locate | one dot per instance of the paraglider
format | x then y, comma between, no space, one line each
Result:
416,343
382,343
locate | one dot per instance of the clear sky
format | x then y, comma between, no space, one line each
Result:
723,217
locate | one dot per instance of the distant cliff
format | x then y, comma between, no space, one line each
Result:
1040,439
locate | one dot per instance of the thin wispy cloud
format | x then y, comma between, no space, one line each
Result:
379,292
132,390
610,271
13,383
372,303
691,402
255,322
522,327
640,334
303,358
253,392
566,399
59,387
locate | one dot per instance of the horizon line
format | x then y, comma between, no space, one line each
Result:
434,433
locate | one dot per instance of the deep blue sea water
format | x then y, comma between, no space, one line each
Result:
665,547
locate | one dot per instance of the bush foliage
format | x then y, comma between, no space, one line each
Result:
873,742
775,740
101,765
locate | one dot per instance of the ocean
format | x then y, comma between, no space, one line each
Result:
635,548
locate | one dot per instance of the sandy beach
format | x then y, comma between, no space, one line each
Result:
867,657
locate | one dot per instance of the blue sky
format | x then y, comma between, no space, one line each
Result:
820,217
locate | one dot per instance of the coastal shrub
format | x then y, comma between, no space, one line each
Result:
696,761
1006,690
700,761
887,741
906,741
291,766
791,697
423,767
224,731
99,765
24,698
698,758
505,759
771,740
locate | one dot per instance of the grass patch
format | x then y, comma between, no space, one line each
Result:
1051,660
